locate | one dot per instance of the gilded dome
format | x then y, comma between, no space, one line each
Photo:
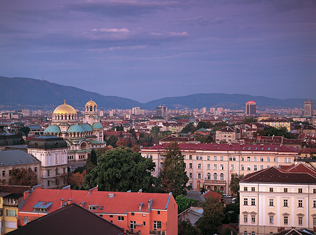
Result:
91,103
64,109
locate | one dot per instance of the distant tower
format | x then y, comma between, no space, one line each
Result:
162,111
308,108
251,107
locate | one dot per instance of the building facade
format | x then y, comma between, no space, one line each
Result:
51,151
251,108
308,108
275,199
146,213
212,165
162,111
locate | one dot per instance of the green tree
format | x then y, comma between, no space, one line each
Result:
22,176
234,183
173,175
121,169
155,130
188,128
231,212
248,120
112,141
186,228
213,214
229,231
25,130
184,203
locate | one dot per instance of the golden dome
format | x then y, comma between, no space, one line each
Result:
91,103
64,109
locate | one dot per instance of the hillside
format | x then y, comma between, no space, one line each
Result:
18,93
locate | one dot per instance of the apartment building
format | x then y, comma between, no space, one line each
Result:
276,199
213,164
277,123
148,213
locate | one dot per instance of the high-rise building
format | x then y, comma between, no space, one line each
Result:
308,108
162,111
251,107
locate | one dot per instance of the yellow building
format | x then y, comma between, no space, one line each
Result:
276,199
277,123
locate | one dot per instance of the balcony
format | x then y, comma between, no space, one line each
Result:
215,182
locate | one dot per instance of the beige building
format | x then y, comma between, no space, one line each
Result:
228,134
277,123
12,159
51,151
276,199
213,164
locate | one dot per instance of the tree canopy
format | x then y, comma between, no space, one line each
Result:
213,214
234,183
173,175
186,228
183,202
22,176
121,169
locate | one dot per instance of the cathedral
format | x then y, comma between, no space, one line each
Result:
81,136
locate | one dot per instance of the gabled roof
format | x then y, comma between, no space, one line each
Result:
72,219
213,194
297,174
108,202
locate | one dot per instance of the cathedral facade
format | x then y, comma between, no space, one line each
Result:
81,135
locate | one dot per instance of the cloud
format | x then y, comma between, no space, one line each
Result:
199,20
123,30
178,34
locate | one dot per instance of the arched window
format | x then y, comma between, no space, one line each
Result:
209,176
94,108
245,233
222,176
90,108
215,176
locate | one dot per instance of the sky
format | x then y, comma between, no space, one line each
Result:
146,50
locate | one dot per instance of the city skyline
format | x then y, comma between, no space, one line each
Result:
133,49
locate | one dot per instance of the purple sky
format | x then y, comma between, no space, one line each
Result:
146,50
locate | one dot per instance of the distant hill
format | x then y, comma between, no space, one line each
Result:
33,93
18,93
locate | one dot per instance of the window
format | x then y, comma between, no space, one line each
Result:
221,158
270,202
271,189
268,159
253,219
132,214
248,159
158,212
253,201
190,157
190,175
197,157
314,221
300,190
190,165
245,233
208,176
132,224
245,218
120,218
3,173
215,176
300,220
215,166
144,223
10,224
245,201
271,219
314,190
47,173
253,189
314,203
248,168
208,166
11,213
255,168
254,159
157,225
215,158
285,190
199,175
300,203
221,176
275,159
199,166
286,220
242,167
285,203
26,220
245,188
232,167
242,159
111,216
261,159
208,158
261,167
222,166
184,157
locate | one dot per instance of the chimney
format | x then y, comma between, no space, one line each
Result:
69,201
150,203
61,202
140,191
26,194
140,206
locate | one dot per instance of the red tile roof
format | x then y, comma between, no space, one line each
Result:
120,203
213,194
227,147
297,174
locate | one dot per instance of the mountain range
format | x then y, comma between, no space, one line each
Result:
18,93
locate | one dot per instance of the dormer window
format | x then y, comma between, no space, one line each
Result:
93,207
